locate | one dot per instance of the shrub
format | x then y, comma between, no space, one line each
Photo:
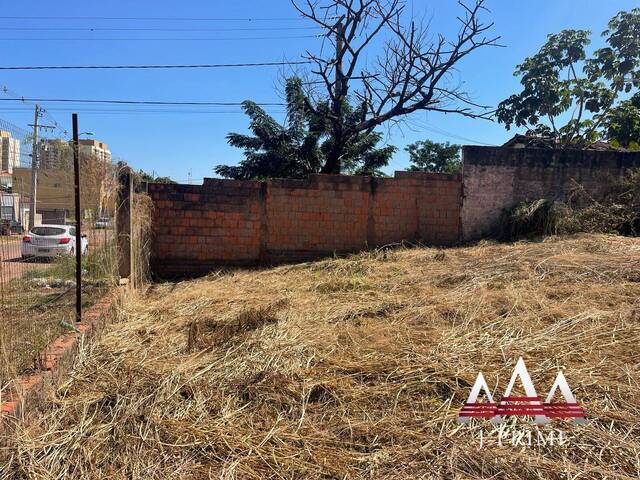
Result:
615,210
527,219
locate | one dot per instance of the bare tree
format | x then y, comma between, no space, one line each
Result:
413,72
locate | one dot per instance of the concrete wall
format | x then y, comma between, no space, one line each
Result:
496,178
228,222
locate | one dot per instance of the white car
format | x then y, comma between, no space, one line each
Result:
51,240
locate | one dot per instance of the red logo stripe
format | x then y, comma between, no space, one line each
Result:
564,415
553,409
519,407
521,412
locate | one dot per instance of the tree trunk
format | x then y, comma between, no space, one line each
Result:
333,163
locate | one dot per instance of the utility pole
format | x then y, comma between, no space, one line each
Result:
34,165
34,170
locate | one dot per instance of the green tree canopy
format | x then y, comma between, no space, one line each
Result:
622,124
300,146
619,62
430,156
566,95
143,176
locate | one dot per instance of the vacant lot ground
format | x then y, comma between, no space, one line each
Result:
356,368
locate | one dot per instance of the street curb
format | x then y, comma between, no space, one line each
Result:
53,362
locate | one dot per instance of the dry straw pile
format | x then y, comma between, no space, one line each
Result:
355,368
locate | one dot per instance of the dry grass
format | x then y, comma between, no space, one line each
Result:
355,368
29,320
141,211
31,313
33,305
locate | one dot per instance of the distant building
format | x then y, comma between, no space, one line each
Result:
9,152
55,193
6,181
95,148
54,154
10,207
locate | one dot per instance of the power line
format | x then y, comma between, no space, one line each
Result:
102,67
4,89
453,135
161,39
204,19
135,102
18,131
153,29
129,111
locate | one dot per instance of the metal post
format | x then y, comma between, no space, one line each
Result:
34,170
78,247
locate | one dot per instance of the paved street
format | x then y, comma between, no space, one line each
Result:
11,265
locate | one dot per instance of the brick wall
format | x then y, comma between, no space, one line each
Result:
194,225
496,178
228,222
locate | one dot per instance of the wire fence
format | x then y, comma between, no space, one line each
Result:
37,256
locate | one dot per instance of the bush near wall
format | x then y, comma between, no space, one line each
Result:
615,210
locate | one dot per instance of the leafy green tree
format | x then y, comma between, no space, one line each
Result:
360,153
300,146
622,124
619,62
429,156
561,85
146,177
552,87
275,150
363,157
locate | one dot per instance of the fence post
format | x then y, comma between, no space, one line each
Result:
123,224
78,247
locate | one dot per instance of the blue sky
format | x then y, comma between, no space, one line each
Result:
177,144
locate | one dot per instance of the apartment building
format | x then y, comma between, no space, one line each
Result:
95,148
9,152
54,154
